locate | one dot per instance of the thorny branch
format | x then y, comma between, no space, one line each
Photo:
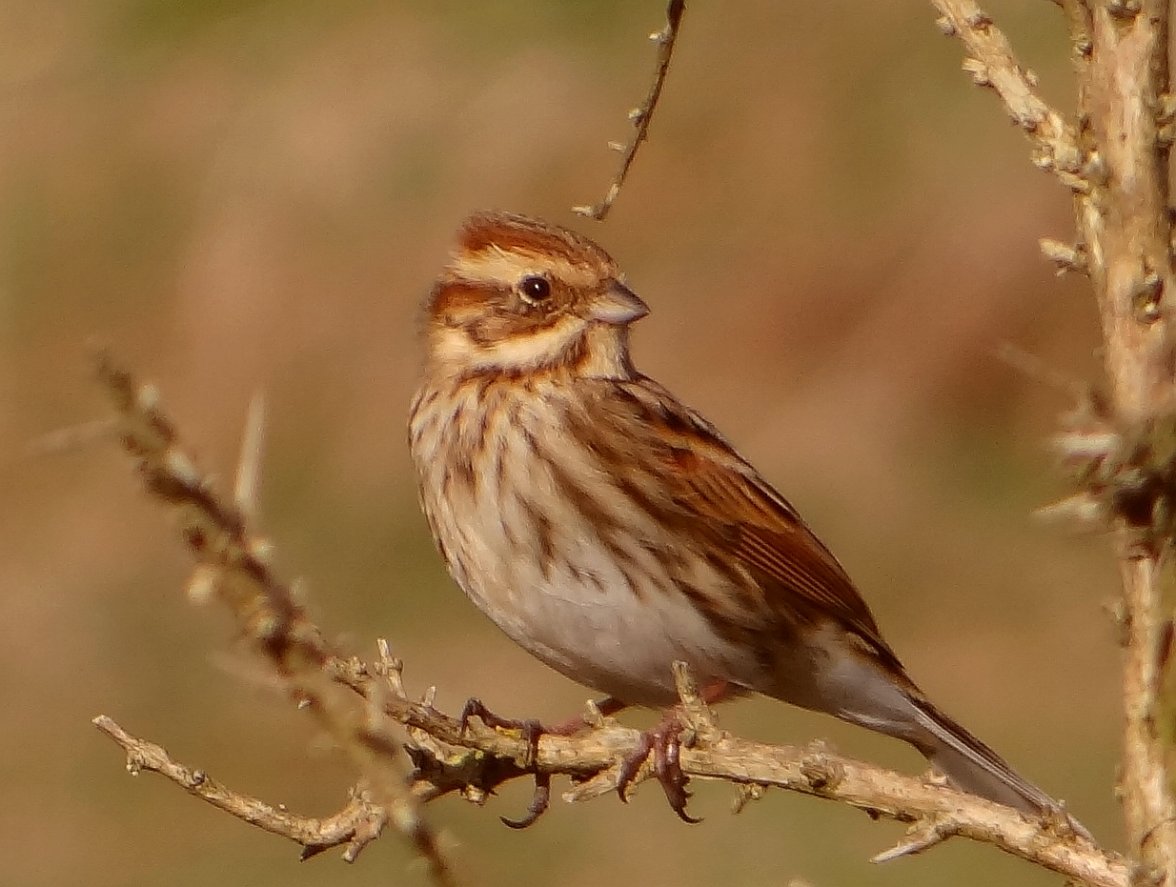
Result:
641,116
232,566
359,705
1116,163
990,62
356,825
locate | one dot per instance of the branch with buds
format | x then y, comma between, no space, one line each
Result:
368,712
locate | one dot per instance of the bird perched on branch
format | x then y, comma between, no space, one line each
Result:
610,530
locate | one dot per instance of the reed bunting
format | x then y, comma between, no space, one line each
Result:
610,530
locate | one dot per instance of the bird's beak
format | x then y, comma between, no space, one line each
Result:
617,305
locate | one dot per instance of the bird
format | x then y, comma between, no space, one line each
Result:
610,530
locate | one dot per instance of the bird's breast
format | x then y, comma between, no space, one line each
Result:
537,528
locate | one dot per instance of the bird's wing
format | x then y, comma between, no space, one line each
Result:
800,578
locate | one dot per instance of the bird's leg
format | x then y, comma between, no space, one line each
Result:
665,745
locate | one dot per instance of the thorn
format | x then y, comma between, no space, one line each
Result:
72,438
261,550
921,836
181,468
1036,369
249,465
745,794
1065,256
1094,170
978,71
696,714
203,584
593,716
1087,445
147,398
1081,508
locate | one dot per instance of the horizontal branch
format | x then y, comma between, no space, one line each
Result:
356,825
474,759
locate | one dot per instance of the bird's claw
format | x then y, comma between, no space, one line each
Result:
538,805
664,744
530,730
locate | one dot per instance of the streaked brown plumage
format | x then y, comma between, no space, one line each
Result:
610,530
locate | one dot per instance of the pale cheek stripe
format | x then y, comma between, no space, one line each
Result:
517,351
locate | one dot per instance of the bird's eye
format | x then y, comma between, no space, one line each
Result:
535,289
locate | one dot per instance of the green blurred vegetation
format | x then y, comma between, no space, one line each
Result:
835,231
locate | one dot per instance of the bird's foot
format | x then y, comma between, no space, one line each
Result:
663,742
531,730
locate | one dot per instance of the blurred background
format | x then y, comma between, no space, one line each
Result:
836,232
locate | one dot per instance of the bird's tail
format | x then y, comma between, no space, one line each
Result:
975,767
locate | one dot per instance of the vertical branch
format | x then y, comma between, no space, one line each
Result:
1116,163
1125,223
1125,217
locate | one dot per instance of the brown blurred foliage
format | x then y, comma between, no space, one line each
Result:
835,231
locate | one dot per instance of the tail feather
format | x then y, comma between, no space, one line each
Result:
976,768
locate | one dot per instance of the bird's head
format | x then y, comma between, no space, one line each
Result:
521,296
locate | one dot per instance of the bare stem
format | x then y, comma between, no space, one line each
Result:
233,567
641,116
356,825
1125,224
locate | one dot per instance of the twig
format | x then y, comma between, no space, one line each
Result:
641,116
65,439
991,62
233,567
923,835
248,477
356,825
